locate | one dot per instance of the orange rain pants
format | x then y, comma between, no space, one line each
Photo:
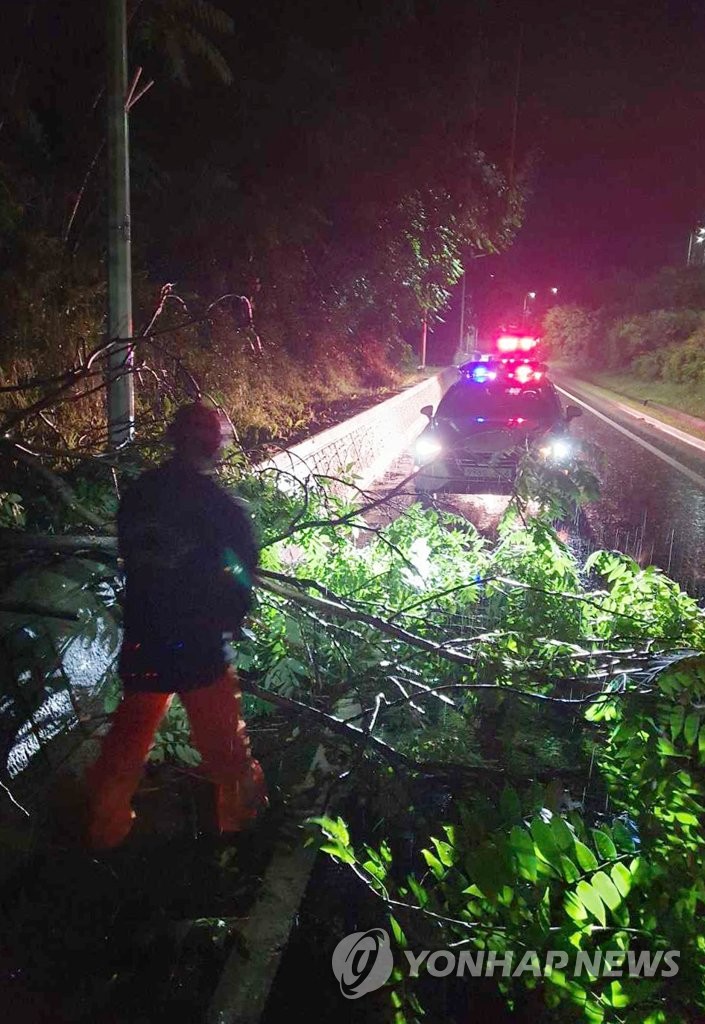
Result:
218,733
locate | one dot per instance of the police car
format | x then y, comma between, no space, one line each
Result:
500,407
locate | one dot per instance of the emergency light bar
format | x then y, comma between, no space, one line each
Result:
521,371
516,343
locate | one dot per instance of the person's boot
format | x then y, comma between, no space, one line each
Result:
239,802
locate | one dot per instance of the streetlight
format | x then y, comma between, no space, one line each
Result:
554,291
529,295
697,237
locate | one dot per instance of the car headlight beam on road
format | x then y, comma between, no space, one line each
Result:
427,448
558,450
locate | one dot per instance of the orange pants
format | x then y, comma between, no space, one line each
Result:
218,733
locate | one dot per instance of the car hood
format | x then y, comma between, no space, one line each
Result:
488,436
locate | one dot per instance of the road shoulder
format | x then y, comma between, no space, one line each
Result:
670,422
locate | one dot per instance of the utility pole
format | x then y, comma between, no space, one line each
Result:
424,335
121,398
515,109
461,336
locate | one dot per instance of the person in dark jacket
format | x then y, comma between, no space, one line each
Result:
190,557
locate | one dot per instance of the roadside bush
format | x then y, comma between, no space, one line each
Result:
685,363
650,365
573,333
631,337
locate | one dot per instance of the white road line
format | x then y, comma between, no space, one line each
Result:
690,473
665,428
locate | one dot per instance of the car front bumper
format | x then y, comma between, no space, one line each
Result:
474,475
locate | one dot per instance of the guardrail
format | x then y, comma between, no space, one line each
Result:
366,444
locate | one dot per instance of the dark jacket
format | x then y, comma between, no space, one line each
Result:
190,558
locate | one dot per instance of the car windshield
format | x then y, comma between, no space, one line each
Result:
465,399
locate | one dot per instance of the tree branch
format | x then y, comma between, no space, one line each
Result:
59,486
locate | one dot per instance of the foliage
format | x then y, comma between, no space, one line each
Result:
516,870
574,334
651,329
330,230
512,676
634,336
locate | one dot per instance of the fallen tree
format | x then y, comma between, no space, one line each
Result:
558,704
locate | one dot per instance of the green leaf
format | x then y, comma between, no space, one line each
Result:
590,899
666,748
490,872
621,878
574,908
375,870
623,838
561,833
604,844
333,828
617,997
691,728
522,845
676,721
569,870
338,852
607,889
398,933
445,852
111,701
510,805
418,890
433,863
586,858
594,1013
544,840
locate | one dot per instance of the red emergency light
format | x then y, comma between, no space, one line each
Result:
526,372
516,343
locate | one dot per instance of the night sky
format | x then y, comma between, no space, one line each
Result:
613,97
611,106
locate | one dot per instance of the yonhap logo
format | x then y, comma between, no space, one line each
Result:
363,962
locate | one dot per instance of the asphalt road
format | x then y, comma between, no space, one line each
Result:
652,502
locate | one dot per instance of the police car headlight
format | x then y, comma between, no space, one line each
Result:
427,448
557,450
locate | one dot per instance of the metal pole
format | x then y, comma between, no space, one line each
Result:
690,249
424,333
121,399
461,336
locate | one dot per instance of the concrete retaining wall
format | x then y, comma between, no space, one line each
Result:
365,445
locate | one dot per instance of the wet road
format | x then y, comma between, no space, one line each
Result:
652,502
649,507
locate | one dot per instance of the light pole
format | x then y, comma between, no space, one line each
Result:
529,295
696,237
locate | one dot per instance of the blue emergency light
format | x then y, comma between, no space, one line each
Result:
480,373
